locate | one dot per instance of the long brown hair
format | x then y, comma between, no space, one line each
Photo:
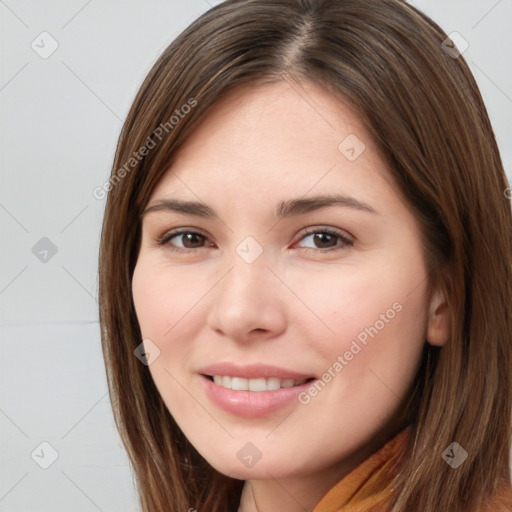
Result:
423,107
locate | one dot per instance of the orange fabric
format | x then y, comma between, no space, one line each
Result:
366,487
501,500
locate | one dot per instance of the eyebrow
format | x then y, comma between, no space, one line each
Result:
289,208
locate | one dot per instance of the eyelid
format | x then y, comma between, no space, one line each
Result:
346,239
168,235
326,229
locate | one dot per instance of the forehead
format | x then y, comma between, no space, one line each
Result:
262,140
279,114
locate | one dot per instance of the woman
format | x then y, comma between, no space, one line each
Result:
252,371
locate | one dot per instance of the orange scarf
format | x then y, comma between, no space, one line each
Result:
366,487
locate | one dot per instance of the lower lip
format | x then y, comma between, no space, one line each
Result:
252,404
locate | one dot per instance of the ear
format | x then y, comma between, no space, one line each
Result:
438,325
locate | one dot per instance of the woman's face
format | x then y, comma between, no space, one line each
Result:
297,278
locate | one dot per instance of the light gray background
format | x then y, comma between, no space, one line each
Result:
60,119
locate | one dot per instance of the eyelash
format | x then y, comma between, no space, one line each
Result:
167,237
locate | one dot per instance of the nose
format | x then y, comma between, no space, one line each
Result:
248,302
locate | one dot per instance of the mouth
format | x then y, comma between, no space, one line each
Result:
253,390
258,384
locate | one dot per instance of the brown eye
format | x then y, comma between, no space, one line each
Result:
326,238
187,240
192,240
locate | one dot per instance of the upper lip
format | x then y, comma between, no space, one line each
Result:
251,371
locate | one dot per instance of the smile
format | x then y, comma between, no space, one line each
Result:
256,384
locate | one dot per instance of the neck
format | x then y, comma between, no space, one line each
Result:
302,493
294,494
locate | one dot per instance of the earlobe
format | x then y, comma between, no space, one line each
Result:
438,326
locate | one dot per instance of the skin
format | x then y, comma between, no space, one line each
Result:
298,305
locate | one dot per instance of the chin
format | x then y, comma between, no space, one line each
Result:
241,467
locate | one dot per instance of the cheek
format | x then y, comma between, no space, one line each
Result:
164,301
367,364
377,318
164,306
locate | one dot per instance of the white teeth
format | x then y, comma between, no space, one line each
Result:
259,384
273,383
239,384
